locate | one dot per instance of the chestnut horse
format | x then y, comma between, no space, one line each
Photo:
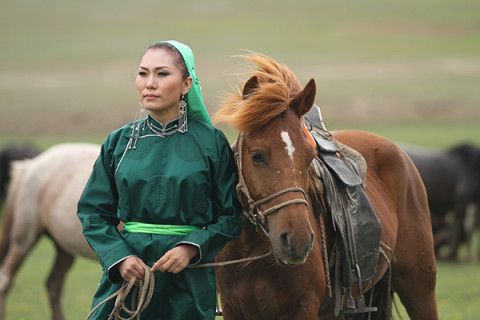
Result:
274,159
42,199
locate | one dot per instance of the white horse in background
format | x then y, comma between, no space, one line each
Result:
42,199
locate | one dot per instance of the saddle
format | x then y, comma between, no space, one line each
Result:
341,175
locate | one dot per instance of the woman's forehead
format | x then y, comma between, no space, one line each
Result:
155,58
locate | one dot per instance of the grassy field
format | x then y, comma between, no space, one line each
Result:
408,70
67,69
458,290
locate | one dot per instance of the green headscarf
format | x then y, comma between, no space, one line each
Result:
195,107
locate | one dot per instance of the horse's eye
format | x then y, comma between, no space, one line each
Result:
258,157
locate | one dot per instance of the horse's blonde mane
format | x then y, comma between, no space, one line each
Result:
277,86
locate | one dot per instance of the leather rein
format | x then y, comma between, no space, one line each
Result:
257,216
252,210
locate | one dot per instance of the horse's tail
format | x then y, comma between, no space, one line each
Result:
4,175
7,156
18,169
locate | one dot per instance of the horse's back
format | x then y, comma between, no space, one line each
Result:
388,162
375,149
385,160
398,175
66,155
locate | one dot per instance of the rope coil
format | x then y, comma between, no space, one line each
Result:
146,288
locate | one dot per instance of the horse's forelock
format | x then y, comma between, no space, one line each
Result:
276,86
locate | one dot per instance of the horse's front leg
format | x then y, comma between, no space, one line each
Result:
63,262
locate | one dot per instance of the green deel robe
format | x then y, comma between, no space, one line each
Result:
160,177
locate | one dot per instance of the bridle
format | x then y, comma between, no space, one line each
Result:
252,210
258,216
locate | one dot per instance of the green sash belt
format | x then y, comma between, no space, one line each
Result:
166,229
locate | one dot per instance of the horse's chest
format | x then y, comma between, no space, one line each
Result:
268,298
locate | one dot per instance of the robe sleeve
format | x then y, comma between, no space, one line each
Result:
227,219
97,211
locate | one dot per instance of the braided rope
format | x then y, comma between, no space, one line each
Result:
326,266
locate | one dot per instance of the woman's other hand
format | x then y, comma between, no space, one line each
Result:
176,259
132,267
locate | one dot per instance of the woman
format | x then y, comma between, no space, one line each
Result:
170,178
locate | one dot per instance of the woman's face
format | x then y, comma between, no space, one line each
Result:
160,84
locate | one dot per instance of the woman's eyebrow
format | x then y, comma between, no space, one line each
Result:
157,68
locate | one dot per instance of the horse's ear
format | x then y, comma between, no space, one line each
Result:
250,86
304,100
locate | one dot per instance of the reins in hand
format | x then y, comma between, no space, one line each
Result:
145,288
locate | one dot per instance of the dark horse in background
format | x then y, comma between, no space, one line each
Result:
452,180
274,158
9,154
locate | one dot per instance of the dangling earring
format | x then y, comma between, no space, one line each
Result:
136,125
141,108
140,111
182,121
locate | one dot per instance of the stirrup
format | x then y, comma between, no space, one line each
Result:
359,308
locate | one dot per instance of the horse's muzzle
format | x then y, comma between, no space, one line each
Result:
290,250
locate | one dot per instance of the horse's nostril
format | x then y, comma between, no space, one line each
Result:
284,241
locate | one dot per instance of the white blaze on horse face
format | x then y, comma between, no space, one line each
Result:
290,148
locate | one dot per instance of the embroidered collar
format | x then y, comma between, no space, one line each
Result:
162,130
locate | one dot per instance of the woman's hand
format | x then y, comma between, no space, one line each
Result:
132,267
176,259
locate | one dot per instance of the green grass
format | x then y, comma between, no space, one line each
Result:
28,298
458,292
